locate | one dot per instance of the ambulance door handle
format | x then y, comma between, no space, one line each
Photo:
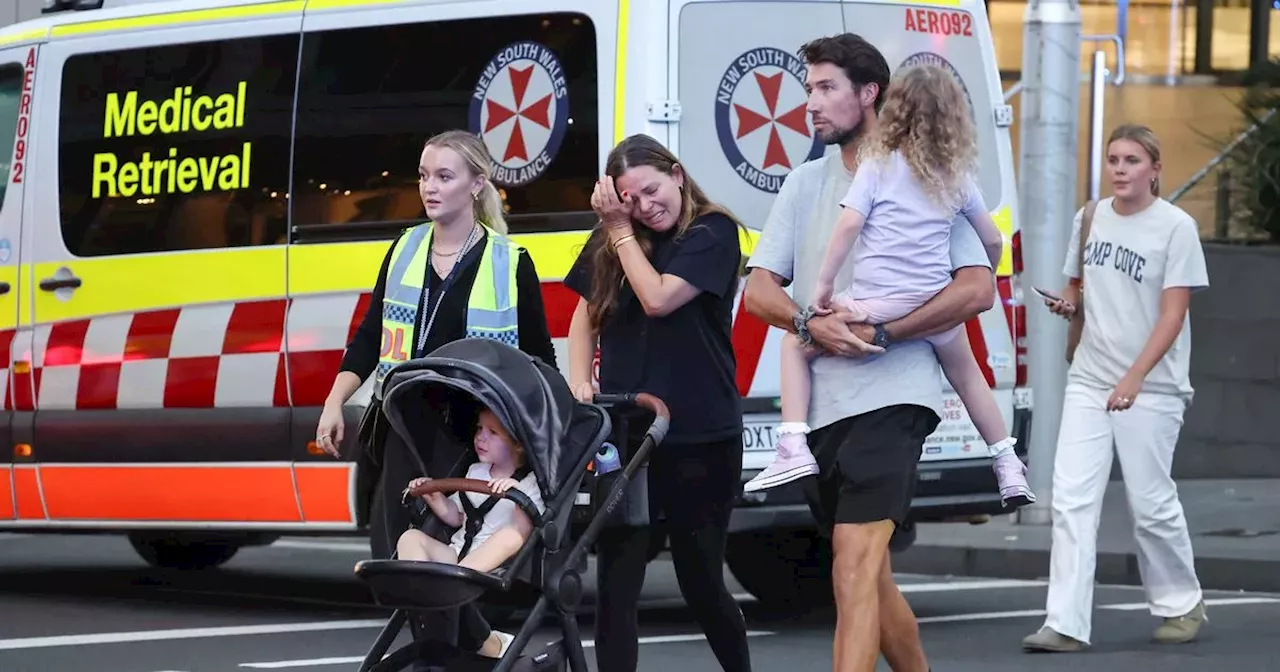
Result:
54,284
4,287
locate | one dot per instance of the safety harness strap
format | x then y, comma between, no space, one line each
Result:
475,514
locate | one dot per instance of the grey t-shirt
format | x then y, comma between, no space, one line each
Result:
792,245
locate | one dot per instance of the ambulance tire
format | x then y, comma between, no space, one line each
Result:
183,552
788,571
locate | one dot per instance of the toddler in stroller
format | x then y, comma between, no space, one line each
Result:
490,530
558,438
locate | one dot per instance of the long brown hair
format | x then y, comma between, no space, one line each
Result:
606,275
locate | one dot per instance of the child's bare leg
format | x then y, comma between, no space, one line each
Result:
961,370
497,549
856,313
792,459
416,545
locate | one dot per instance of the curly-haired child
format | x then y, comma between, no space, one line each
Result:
915,175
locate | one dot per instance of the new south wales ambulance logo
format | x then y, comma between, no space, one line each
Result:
761,119
520,108
930,58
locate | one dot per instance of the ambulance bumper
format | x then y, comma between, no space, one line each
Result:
946,491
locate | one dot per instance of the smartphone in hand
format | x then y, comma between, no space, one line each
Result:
1048,296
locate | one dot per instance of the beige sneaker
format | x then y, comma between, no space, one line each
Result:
1048,640
1182,629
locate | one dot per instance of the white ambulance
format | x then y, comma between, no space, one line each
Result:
199,193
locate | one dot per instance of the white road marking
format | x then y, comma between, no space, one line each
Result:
1128,606
186,633
948,586
586,644
343,546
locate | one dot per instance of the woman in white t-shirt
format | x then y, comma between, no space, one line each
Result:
1128,387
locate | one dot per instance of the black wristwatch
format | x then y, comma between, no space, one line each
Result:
801,322
881,339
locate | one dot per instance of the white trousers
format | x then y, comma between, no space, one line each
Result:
1143,437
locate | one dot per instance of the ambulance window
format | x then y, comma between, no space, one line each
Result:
176,147
10,97
368,99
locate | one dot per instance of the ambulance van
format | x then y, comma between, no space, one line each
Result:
198,194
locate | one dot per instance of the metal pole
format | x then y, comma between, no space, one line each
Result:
1204,37
1097,98
1049,129
1173,66
1259,31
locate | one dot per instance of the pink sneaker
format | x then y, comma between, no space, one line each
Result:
790,463
1011,474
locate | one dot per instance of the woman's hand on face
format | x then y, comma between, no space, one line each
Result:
613,211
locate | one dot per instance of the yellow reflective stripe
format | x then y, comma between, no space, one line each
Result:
167,280
483,294
347,267
1004,221
278,7
620,72
33,34
334,4
9,300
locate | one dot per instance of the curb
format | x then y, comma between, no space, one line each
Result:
1215,573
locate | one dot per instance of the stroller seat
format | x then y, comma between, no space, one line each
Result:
560,438
432,586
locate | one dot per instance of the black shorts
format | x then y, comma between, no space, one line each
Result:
868,468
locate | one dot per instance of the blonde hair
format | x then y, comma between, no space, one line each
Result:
471,148
926,118
1145,138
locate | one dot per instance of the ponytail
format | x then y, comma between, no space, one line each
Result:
489,208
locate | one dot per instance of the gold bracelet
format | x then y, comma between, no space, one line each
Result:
618,243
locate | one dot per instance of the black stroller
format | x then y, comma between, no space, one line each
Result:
561,438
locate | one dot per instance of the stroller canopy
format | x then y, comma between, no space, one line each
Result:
528,396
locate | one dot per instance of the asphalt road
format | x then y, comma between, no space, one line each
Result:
87,603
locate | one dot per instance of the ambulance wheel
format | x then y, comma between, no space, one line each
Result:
176,552
788,571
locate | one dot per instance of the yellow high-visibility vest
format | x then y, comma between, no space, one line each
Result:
491,307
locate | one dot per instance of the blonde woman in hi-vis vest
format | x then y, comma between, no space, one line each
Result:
440,281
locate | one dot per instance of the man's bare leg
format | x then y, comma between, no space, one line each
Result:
899,631
860,551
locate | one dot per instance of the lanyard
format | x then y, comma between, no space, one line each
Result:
444,286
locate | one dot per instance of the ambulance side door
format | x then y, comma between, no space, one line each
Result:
159,308
743,127
17,70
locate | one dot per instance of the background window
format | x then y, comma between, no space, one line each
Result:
177,147
370,97
10,98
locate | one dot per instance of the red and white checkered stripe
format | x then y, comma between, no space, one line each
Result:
264,353
224,355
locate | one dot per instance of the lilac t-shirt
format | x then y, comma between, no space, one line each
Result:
905,245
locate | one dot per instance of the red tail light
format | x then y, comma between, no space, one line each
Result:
1017,312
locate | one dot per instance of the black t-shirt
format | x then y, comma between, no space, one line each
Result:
361,356
686,357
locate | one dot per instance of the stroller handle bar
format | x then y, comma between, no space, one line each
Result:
662,416
444,485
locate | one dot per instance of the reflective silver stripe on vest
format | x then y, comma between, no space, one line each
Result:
396,290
